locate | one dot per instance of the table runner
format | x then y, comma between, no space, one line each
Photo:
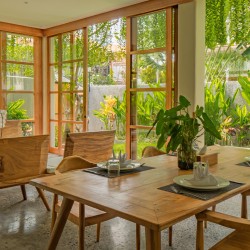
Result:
103,172
202,195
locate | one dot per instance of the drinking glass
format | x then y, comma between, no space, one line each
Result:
113,168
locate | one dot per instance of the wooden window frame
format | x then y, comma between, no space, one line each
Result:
168,89
60,121
168,49
37,119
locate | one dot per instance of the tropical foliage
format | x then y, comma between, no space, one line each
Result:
15,111
227,59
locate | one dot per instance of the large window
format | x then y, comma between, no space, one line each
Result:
66,93
107,79
150,76
113,75
20,80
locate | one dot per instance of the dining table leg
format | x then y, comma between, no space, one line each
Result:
153,239
60,223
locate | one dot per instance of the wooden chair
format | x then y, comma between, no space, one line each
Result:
237,240
92,215
92,146
13,128
150,151
23,159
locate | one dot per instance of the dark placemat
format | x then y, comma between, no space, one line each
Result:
103,172
202,195
244,164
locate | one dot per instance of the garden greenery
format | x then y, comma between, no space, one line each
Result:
227,56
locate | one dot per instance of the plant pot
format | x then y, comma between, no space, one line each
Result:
186,156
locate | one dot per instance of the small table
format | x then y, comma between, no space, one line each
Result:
136,197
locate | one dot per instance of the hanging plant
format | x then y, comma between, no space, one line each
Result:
236,12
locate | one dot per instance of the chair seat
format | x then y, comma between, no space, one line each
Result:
19,181
92,215
237,240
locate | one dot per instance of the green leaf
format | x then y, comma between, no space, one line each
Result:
246,53
184,101
199,111
161,141
209,126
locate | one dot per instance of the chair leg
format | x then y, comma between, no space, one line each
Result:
81,226
98,230
40,192
244,206
23,192
170,236
54,213
138,237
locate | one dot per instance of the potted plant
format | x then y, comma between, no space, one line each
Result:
15,113
183,130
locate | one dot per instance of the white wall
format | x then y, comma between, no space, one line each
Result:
191,54
200,16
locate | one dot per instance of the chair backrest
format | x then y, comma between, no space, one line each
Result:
23,156
12,128
72,163
150,151
92,146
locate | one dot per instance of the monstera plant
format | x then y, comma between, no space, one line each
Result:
183,130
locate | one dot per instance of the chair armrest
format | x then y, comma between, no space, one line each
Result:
72,163
224,220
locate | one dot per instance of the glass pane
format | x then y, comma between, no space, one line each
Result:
78,44
68,127
107,109
149,31
54,106
66,47
106,53
54,78
72,106
19,48
148,70
119,146
139,140
145,106
53,134
19,77
106,77
78,128
54,49
28,128
72,76
24,105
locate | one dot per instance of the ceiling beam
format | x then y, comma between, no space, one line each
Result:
19,29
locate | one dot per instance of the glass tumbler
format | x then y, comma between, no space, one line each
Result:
113,168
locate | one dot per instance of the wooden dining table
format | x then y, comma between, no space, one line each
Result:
136,197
